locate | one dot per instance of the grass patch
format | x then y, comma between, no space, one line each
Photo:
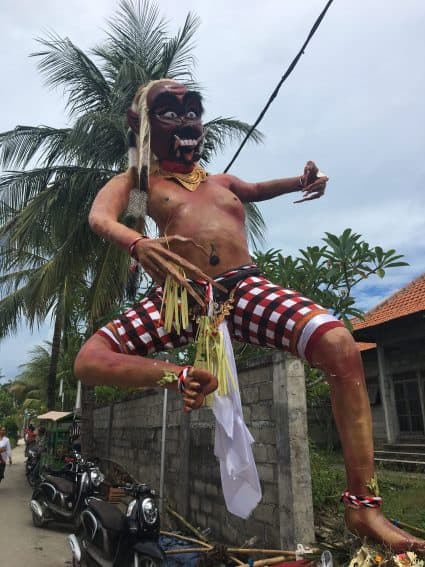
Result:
403,491
404,496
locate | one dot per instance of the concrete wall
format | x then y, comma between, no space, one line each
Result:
273,397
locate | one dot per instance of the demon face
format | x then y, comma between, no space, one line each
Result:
176,126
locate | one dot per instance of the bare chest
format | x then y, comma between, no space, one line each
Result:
170,201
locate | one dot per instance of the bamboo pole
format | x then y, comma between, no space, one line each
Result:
253,551
187,550
269,561
236,560
186,523
408,527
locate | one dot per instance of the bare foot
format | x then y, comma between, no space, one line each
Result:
371,523
198,384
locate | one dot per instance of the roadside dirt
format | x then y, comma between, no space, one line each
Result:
22,545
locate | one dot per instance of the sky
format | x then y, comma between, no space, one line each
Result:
354,105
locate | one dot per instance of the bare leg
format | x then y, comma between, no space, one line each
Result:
97,363
338,356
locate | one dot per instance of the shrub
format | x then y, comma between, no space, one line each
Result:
327,480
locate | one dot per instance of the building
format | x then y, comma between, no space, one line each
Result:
392,342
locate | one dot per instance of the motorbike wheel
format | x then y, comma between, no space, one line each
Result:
37,521
31,479
82,563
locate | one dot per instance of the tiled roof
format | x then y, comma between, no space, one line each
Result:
408,300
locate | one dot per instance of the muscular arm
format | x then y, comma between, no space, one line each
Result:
109,203
312,183
251,192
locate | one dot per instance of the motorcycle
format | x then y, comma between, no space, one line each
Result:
110,538
32,466
62,494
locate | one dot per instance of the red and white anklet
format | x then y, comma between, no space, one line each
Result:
361,501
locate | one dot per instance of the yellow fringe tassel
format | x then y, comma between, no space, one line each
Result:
211,355
174,307
210,351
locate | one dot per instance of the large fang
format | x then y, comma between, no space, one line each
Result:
188,143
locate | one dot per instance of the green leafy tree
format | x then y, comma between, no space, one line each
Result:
47,250
6,403
327,274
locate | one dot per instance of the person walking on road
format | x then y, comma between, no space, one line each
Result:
5,451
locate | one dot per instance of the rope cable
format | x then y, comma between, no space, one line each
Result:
282,80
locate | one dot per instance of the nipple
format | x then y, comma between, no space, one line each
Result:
214,259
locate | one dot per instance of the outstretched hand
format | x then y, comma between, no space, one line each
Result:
313,182
159,262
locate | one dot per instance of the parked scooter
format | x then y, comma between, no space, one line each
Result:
32,465
110,538
62,494
35,473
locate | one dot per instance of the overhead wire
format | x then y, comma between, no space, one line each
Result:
282,80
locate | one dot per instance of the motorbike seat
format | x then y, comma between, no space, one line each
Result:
62,484
111,518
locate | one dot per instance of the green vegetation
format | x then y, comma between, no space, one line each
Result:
327,274
403,492
9,413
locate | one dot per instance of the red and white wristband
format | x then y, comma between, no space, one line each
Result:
361,501
182,377
132,246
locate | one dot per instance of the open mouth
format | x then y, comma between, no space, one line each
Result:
187,148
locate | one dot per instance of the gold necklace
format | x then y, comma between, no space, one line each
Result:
189,181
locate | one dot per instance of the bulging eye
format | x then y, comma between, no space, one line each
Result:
170,114
191,115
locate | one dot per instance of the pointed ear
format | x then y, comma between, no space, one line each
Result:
133,121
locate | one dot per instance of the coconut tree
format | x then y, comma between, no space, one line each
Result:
53,174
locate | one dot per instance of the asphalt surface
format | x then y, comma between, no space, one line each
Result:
21,544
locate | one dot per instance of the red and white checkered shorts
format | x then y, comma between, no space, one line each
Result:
264,314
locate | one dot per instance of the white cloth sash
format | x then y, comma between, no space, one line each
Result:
239,477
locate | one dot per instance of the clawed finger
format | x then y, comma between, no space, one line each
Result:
311,197
177,276
183,240
192,270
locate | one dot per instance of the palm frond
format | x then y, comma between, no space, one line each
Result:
221,131
64,64
18,188
20,145
255,226
136,36
13,281
98,139
107,287
177,60
12,310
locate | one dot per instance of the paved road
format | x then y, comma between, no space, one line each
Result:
22,545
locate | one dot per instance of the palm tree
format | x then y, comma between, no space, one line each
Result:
46,246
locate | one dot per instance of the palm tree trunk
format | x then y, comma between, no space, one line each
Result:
87,429
54,359
88,405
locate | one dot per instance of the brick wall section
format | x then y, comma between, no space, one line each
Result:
193,487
